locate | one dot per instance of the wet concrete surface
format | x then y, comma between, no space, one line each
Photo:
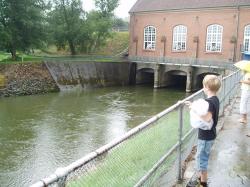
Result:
229,164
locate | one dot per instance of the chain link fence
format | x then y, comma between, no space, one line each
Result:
151,154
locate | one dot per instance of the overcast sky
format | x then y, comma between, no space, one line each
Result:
121,11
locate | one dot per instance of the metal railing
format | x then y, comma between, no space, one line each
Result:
149,154
184,61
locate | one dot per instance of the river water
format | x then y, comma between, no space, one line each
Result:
43,132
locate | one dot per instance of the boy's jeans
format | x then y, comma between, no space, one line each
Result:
202,155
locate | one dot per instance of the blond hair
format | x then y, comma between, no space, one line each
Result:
212,82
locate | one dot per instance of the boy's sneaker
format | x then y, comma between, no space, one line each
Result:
243,120
193,182
203,184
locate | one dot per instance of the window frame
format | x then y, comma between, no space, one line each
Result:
148,38
213,33
179,38
246,48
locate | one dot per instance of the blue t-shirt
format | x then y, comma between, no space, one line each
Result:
214,106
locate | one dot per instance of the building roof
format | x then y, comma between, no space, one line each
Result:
161,5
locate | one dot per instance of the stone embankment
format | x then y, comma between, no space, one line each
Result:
25,79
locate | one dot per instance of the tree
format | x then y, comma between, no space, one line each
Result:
119,24
21,25
86,32
106,7
67,21
98,30
100,23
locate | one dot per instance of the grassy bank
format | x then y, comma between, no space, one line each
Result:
5,58
114,46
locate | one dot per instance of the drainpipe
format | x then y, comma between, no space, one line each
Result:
196,40
237,33
197,49
164,40
164,52
135,40
136,50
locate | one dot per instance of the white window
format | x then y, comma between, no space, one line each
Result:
179,38
247,38
149,37
214,38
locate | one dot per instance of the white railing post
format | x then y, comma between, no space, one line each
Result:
180,143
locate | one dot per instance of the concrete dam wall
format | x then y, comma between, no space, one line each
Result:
70,75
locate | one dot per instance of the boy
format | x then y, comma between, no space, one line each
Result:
211,85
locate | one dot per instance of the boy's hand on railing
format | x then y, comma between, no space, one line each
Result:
188,103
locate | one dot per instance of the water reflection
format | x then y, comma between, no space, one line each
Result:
43,132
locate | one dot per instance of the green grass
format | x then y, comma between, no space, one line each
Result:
127,163
5,58
116,44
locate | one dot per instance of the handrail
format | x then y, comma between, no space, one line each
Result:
184,61
61,172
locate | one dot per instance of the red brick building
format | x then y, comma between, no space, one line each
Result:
197,29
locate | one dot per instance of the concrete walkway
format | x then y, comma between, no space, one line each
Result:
229,164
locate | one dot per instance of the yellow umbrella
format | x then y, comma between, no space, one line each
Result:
244,65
